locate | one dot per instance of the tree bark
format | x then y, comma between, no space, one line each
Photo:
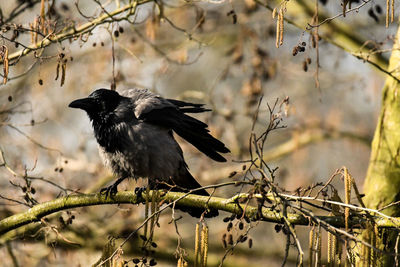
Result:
382,184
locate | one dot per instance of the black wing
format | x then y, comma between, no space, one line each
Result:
170,113
189,128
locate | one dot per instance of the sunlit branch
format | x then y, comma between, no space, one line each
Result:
39,211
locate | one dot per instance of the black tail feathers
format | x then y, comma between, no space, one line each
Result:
197,212
185,183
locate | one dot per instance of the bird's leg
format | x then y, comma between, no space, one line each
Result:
112,189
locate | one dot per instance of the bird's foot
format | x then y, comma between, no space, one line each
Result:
110,191
140,190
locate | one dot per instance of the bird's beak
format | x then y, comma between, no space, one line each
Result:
83,103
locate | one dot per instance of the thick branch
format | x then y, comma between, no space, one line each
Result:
39,211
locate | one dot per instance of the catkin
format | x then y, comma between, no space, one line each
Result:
196,245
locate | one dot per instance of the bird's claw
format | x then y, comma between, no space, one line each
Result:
140,190
110,191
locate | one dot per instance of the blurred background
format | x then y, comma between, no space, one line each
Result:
221,53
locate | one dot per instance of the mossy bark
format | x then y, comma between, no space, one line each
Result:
382,184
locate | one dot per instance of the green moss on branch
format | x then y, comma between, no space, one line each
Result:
36,213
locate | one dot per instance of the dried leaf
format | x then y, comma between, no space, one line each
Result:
151,28
182,56
246,88
251,5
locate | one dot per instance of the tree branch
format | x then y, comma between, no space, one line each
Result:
66,34
336,33
39,211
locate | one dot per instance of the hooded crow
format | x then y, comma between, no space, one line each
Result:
134,131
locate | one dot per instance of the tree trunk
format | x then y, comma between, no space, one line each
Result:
382,184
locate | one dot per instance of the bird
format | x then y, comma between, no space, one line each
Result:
135,130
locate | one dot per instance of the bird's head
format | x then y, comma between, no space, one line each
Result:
99,104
